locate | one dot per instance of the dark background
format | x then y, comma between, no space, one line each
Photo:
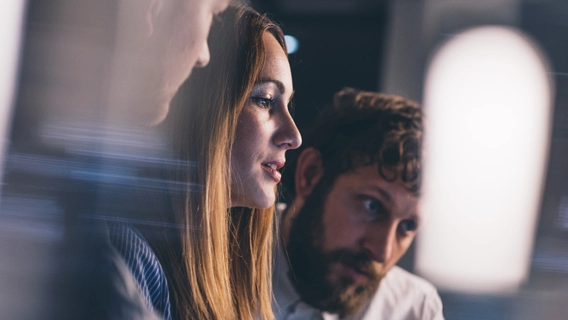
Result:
338,47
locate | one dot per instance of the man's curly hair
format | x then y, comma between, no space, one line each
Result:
365,128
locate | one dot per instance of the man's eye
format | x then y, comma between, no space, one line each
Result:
374,209
265,103
372,205
408,226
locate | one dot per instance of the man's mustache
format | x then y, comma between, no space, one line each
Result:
360,261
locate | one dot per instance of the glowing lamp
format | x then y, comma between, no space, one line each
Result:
487,102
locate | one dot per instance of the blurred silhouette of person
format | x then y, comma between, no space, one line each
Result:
159,42
353,214
156,46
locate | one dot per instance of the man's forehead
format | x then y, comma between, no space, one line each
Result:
373,175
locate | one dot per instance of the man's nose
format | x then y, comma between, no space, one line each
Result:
203,57
380,242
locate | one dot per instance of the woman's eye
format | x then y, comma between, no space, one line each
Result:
263,102
408,226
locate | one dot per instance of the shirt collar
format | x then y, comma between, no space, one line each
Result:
285,296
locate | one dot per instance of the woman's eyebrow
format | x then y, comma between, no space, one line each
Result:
278,84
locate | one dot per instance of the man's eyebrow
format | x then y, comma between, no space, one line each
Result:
387,197
383,193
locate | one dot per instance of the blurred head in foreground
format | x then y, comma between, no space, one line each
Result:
232,120
354,212
158,43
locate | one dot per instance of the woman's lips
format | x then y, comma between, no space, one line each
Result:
272,169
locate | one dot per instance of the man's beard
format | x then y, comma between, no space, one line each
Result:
311,266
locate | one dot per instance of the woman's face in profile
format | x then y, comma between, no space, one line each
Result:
265,130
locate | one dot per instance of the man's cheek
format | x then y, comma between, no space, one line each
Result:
379,270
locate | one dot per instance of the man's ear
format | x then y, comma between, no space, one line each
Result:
309,170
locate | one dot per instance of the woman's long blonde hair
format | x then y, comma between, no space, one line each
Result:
218,264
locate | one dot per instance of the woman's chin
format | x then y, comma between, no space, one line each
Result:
256,202
263,201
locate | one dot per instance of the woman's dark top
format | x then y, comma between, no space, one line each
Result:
144,266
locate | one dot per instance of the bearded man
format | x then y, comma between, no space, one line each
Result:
353,214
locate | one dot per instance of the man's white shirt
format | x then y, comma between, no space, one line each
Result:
400,296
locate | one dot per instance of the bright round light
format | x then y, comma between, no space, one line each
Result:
487,101
291,43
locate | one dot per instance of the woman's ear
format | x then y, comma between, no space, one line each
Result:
309,170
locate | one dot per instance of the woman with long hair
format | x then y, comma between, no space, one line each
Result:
231,120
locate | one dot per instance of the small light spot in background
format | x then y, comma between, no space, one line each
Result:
291,43
281,207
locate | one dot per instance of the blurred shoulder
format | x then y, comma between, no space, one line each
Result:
404,296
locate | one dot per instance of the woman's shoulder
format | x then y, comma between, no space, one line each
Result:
144,265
